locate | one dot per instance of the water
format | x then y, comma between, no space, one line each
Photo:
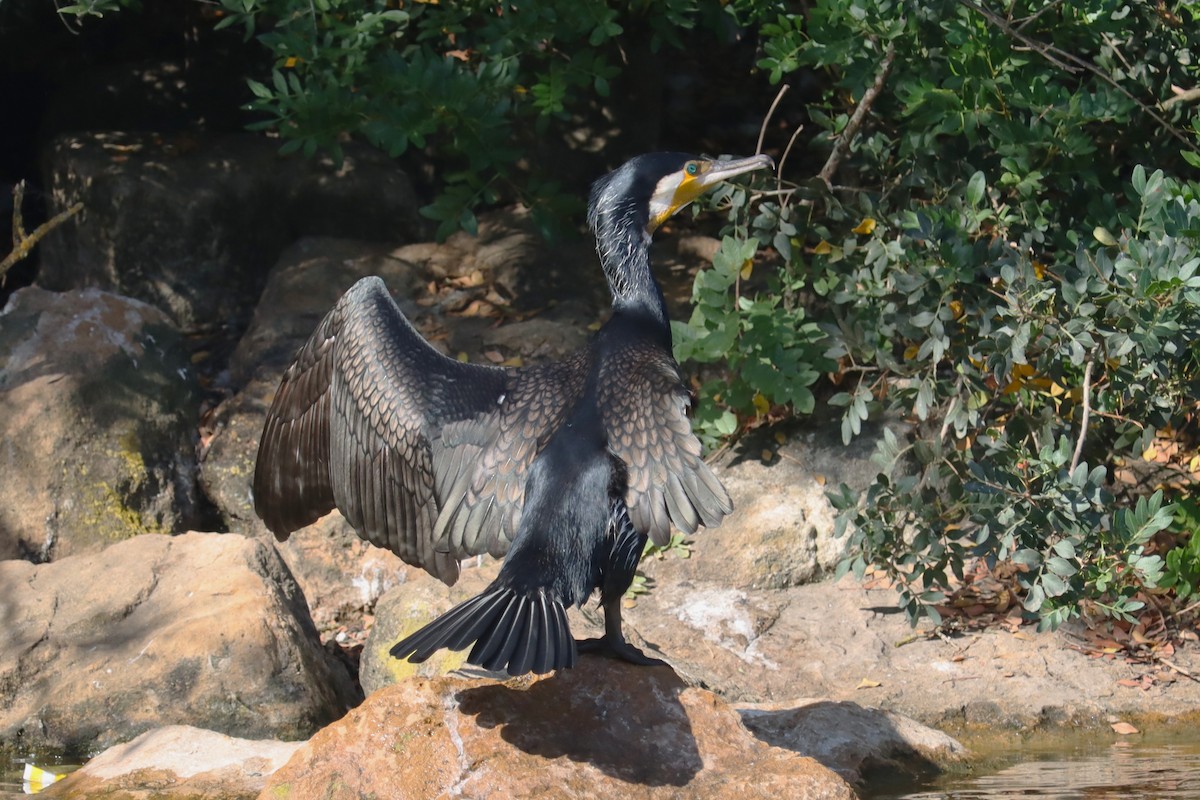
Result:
12,767
1123,770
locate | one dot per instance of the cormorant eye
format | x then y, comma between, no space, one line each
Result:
692,168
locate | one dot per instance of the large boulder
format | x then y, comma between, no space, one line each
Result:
192,225
97,424
177,761
604,729
204,629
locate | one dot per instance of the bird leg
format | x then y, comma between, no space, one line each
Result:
612,644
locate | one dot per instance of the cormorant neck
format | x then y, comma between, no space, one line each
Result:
625,257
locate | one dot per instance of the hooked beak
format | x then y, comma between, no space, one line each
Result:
680,189
724,169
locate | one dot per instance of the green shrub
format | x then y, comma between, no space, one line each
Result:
1000,276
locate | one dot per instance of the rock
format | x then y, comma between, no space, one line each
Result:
177,761
781,532
204,629
852,740
604,729
417,600
303,285
97,424
840,640
191,225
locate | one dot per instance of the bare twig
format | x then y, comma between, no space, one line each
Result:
842,145
762,131
783,158
1185,96
1087,412
1036,14
1176,668
1184,610
23,243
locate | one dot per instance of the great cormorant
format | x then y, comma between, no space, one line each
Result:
565,468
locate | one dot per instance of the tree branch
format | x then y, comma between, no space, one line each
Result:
842,146
1087,412
23,243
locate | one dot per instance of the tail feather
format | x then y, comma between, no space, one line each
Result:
511,631
496,651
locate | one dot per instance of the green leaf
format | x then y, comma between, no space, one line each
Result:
976,186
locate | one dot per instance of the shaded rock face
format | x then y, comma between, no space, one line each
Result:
97,424
177,761
604,729
852,740
192,225
207,629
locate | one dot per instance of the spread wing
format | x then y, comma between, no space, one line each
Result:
422,454
645,403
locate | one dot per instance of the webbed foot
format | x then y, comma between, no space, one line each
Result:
611,647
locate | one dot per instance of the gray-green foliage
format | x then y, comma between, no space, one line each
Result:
996,269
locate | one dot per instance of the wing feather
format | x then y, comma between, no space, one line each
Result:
422,454
645,403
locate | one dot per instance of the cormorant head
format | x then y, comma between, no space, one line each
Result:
647,190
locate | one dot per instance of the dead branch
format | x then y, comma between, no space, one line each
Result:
23,243
1087,412
842,146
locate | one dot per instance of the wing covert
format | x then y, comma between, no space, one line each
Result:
422,454
645,404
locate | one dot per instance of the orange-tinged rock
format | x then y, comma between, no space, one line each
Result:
604,729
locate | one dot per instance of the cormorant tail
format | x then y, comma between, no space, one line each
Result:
514,631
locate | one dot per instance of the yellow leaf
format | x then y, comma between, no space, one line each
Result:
290,62
463,357
1057,390
820,479
1104,237
956,308
767,455
1039,269
867,683
747,268
1150,453
515,361
911,351
865,227
781,439
823,248
760,404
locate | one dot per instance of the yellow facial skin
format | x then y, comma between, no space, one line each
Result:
698,176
